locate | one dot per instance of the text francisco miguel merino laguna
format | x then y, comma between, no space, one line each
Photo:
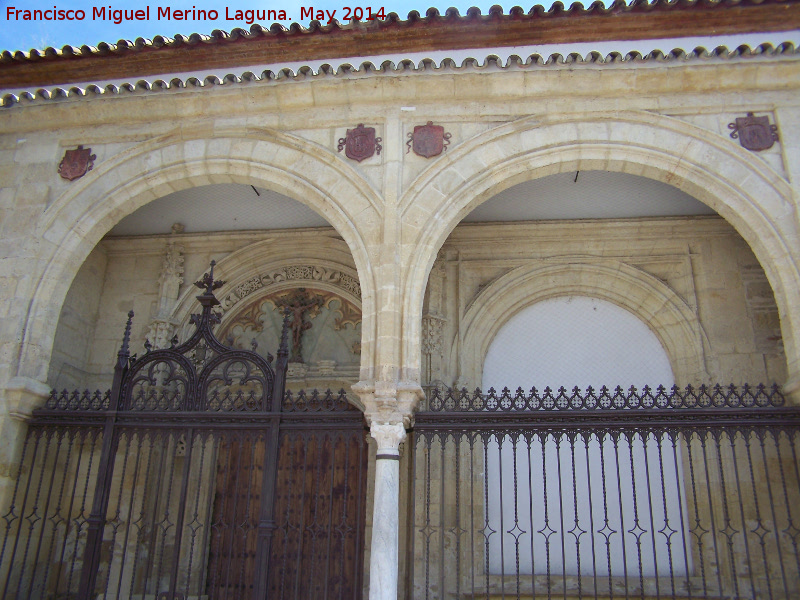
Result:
167,13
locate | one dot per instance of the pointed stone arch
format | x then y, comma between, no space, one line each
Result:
736,183
77,220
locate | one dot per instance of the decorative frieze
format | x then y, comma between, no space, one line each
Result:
292,273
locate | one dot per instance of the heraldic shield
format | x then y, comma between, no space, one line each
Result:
428,140
360,143
754,133
76,163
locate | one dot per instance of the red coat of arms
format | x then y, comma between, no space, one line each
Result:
76,162
428,140
360,143
754,133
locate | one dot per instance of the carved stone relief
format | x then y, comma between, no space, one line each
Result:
433,334
324,341
162,328
304,273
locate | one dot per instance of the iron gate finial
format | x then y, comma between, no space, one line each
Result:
124,351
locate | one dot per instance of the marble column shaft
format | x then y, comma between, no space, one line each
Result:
383,567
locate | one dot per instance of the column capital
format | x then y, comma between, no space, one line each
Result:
791,391
23,394
389,401
388,435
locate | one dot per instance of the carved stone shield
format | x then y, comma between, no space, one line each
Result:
76,163
428,140
754,133
360,143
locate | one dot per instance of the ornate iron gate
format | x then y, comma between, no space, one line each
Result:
607,494
196,476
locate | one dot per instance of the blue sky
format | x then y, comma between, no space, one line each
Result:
18,34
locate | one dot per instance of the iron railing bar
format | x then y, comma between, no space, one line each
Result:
713,523
586,438
601,438
187,464
471,439
645,448
727,518
487,531
443,446
42,519
140,521
116,519
791,435
546,527
759,523
22,510
84,497
140,441
562,533
580,532
528,439
775,438
203,443
732,440
65,433
165,519
629,436
458,531
426,531
682,523
654,419
514,441
411,529
622,531
500,439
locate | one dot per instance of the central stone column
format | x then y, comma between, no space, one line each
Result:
388,407
383,567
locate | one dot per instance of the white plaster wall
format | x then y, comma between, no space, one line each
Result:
580,341
575,341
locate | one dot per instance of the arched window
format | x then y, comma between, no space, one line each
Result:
588,502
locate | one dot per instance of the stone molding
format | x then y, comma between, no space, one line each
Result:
302,273
672,320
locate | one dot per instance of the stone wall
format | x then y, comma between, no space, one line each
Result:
692,280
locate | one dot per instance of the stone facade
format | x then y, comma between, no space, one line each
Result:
721,293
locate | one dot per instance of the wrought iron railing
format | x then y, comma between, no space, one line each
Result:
691,493
196,476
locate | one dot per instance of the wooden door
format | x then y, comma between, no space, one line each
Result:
317,545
